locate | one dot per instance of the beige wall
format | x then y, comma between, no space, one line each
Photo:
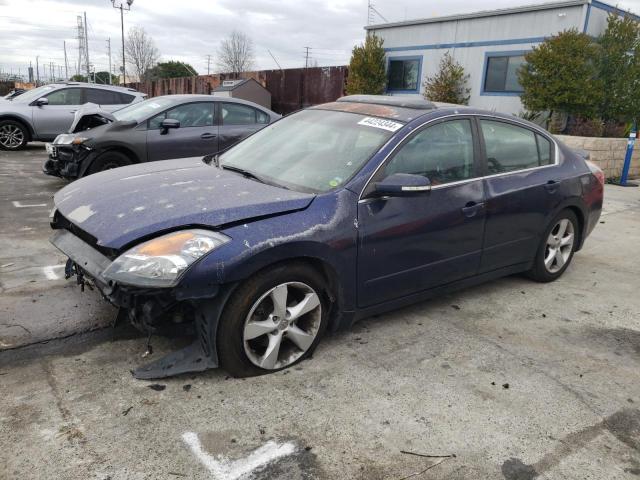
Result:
607,153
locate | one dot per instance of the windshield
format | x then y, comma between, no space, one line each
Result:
312,150
31,95
142,110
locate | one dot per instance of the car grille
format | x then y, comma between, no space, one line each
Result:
64,155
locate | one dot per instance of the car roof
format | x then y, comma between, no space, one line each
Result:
185,97
406,109
95,85
385,106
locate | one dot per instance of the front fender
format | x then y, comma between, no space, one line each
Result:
324,232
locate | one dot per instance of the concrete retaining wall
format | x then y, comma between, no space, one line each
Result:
607,153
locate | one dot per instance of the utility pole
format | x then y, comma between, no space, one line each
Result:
122,9
109,53
86,43
66,65
306,57
82,46
37,72
208,64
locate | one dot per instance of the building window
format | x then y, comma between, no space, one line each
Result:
404,74
501,74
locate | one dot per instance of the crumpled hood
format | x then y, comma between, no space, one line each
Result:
88,110
122,205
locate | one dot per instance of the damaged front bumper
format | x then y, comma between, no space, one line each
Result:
150,310
67,161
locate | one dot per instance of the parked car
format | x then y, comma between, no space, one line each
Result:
334,213
172,126
45,112
14,93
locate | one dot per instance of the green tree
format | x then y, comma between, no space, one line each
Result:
561,76
367,68
170,69
78,78
103,77
449,84
619,69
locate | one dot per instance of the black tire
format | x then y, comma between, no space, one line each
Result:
539,272
230,338
107,161
14,135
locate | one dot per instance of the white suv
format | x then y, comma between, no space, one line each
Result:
45,112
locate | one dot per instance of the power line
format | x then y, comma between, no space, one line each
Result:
274,59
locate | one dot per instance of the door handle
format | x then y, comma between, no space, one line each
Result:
72,112
208,136
551,186
471,208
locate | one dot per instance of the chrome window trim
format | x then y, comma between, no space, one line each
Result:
536,129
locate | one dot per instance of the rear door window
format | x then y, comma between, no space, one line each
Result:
104,97
544,148
238,114
511,148
262,117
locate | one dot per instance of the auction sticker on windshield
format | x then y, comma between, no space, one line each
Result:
380,123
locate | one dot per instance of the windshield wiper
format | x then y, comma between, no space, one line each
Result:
241,171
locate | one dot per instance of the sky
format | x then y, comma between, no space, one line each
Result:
189,30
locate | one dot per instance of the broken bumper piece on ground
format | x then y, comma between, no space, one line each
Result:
150,310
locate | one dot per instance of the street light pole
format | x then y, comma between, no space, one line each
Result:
122,9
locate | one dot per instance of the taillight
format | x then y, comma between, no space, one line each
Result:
596,171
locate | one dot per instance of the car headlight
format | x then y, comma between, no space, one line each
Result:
70,139
160,262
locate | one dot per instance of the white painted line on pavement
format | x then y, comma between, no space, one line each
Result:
50,271
224,469
20,205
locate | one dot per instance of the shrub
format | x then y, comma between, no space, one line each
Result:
561,75
367,68
449,84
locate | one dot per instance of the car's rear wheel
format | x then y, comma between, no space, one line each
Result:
107,161
13,135
557,248
272,321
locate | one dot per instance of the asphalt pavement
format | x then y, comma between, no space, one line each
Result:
509,380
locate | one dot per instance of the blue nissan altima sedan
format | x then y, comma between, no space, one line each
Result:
334,213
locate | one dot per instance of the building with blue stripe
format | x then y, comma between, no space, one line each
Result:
490,45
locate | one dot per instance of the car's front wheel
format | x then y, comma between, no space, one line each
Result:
273,320
557,248
107,161
13,135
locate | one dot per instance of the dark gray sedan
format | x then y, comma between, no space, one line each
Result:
172,126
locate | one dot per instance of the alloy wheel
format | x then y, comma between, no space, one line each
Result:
282,325
11,136
559,245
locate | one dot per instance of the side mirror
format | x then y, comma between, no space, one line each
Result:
41,102
168,123
402,185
